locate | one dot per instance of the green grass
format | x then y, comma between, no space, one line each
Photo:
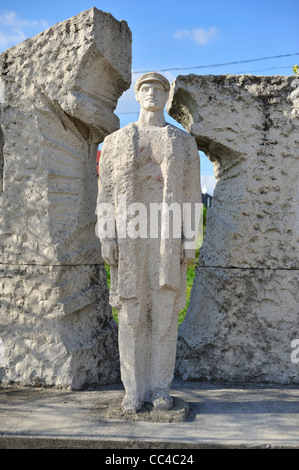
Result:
190,277
114,311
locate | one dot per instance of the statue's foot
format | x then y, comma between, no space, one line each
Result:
131,405
163,403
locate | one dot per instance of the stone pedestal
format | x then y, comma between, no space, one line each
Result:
60,89
178,413
243,312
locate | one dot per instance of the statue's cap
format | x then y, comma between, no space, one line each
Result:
152,77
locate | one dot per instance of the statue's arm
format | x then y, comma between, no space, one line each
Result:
109,246
109,249
192,195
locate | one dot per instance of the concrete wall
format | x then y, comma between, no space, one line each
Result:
243,312
60,89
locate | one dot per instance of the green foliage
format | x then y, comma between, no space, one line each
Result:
296,69
114,311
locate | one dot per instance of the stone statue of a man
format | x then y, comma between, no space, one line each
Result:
147,165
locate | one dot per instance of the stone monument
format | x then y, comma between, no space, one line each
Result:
58,92
144,166
242,320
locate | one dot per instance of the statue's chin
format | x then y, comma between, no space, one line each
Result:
152,107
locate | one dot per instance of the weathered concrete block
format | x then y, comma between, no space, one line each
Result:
243,311
56,327
59,91
240,325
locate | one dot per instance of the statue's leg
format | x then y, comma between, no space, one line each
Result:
163,346
133,353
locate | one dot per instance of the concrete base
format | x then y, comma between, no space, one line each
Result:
221,416
177,414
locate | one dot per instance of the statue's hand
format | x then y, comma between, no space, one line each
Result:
187,254
110,251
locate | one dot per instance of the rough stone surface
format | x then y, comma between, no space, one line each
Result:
177,414
58,93
221,416
243,311
147,164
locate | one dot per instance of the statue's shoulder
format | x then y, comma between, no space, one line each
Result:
175,131
122,133
184,140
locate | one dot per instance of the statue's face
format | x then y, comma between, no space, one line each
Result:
152,96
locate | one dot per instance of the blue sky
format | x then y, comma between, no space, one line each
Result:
178,34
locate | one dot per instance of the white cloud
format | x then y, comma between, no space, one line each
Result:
8,39
10,18
14,30
198,35
208,184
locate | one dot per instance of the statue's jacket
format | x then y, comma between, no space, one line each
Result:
117,174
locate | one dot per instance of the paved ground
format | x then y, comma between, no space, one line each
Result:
240,416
